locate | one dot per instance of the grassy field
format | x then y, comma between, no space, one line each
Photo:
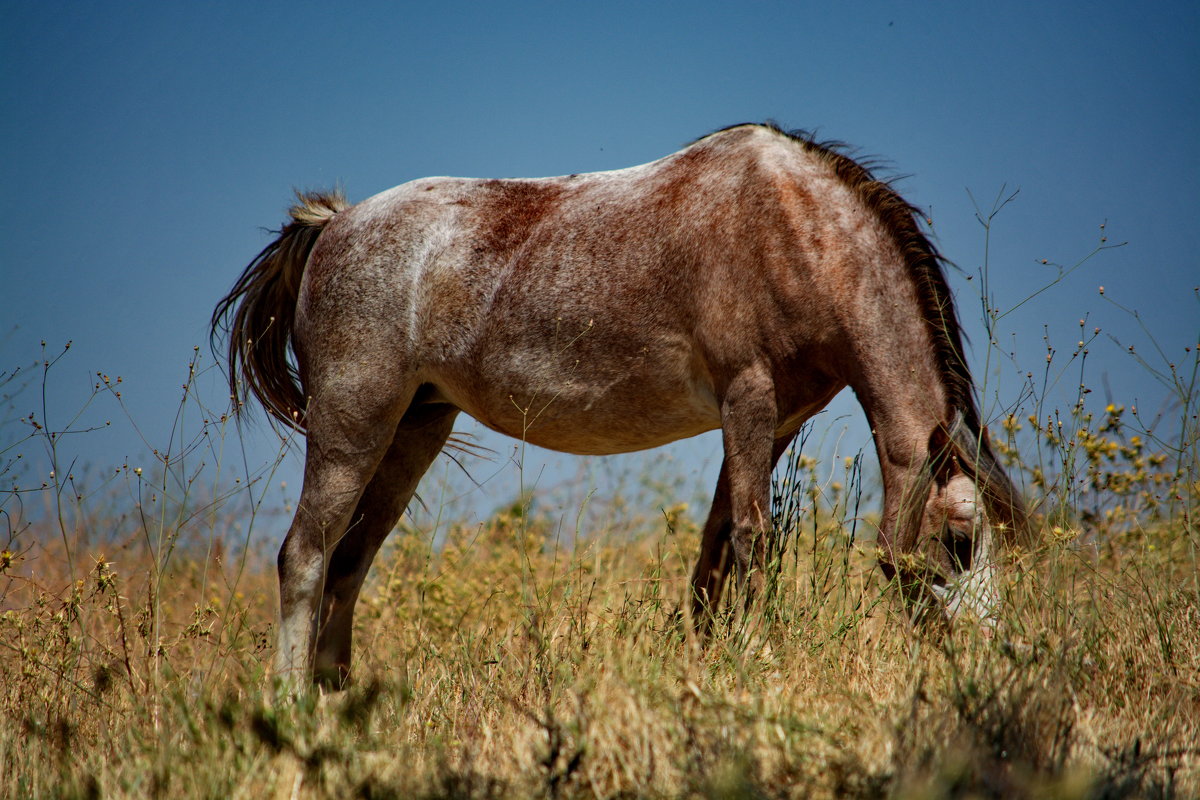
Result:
136,637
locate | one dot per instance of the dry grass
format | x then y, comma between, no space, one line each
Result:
135,638
503,665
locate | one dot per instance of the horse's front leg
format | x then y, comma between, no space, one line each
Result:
715,560
748,420
713,563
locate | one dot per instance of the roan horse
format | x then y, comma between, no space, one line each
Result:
739,283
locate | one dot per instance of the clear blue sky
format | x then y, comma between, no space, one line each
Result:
144,147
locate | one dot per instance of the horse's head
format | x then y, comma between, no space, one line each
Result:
971,508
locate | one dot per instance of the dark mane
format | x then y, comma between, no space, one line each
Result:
921,257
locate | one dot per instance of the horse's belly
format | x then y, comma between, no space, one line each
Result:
590,415
587,432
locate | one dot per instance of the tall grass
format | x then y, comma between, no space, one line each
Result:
528,656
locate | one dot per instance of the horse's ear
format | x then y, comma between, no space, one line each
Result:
942,453
986,438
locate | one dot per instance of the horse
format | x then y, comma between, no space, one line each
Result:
738,283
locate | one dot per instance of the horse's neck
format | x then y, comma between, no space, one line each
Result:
905,396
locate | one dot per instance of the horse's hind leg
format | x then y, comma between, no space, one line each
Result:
419,438
350,428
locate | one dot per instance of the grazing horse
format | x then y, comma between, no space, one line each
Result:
739,284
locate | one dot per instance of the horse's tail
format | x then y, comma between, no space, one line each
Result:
258,313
